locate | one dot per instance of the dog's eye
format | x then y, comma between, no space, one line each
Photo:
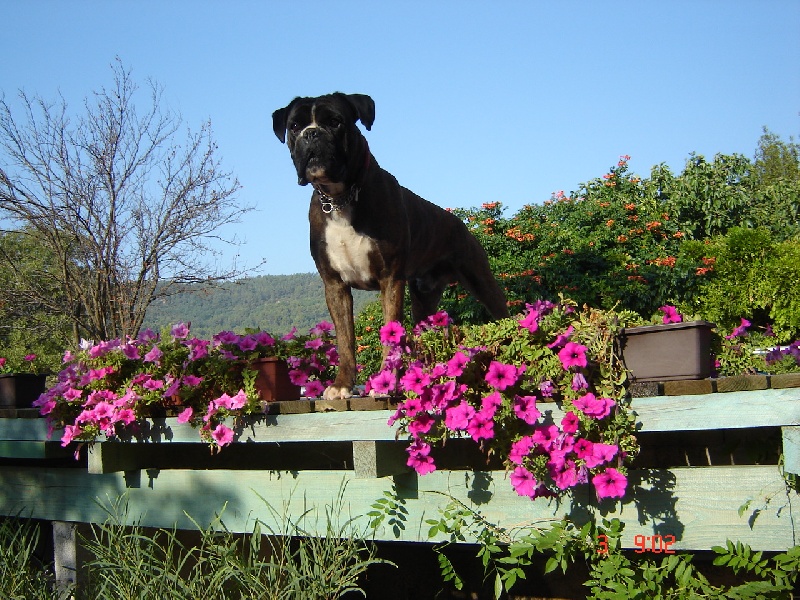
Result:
294,127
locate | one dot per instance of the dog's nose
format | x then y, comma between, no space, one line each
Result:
311,133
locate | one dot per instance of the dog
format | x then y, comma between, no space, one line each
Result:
370,233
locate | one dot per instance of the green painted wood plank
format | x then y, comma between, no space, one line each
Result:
698,506
791,449
734,410
32,450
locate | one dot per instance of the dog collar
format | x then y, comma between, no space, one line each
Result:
330,204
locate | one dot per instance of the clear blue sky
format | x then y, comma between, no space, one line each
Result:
476,101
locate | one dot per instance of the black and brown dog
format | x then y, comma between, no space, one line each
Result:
370,233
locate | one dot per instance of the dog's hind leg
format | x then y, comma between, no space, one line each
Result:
425,297
340,304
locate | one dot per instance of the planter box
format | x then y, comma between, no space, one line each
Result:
19,390
272,380
668,352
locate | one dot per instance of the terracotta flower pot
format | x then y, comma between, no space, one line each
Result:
19,390
272,380
668,352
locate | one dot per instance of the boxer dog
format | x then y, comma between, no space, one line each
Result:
370,233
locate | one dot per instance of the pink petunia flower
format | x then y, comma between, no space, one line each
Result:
591,406
455,366
501,376
420,425
670,314
610,484
222,435
579,382
186,415
419,457
392,333
525,409
383,382
154,355
481,426
520,449
561,339
180,331
523,482
314,389
321,329
530,321
415,380
570,422
458,417
573,355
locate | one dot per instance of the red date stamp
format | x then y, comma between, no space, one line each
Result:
657,544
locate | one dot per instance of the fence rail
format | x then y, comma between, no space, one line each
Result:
709,471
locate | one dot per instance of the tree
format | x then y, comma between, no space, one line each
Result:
125,204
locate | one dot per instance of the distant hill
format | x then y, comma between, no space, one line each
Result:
274,303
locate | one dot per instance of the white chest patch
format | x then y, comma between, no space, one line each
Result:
348,251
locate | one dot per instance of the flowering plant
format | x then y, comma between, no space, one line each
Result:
743,351
489,382
26,365
106,388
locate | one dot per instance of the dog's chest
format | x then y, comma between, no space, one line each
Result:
349,251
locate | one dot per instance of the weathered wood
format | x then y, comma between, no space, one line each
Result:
698,506
65,553
379,458
742,383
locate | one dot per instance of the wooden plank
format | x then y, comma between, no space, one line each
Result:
791,449
32,450
733,410
379,459
698,506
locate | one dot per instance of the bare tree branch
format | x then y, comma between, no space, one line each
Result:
126,204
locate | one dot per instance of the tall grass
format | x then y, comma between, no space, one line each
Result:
128,561
23,576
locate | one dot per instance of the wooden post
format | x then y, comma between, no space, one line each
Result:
65,553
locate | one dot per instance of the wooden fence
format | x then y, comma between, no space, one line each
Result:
713,464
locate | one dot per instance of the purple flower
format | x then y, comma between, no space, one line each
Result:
314,389
180,331
591,406
520,449
547,388
579,382
222,435
186,415
226,337
154,355
740,330
321,329
247,343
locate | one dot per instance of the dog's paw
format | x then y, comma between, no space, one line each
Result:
336,392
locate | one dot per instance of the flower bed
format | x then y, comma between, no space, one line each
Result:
484,384
108,387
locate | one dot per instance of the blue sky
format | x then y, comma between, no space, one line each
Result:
476,101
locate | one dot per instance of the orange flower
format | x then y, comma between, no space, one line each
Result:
490,205
622,238
653,225
609,223
677,234
630,206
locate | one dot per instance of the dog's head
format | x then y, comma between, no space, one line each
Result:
323,139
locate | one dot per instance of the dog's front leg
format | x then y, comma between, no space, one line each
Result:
340,304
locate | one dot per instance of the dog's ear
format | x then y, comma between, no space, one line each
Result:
279,123
364,107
